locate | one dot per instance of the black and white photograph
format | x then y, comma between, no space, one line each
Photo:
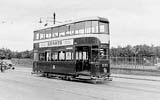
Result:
79,50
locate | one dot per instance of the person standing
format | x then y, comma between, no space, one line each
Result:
1,65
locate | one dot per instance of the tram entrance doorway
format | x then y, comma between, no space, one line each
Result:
82,58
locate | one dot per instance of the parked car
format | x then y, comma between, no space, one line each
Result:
8,64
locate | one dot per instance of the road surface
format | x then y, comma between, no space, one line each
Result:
19,84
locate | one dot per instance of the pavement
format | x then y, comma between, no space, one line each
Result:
136,77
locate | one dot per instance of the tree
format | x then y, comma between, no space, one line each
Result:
138,50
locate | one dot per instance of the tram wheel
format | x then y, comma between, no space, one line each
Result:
69,78
94,81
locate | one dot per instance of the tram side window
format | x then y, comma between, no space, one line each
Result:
68,56
47,36
62,31
85,56
88,27
103,27
77,56
68,30
48,56
48,33
81,55
55,32
42,35
79,28
36,36
55,56
42,56
35,56
72,28
95,27
61,55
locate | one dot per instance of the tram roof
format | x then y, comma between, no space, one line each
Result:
76,20
90,18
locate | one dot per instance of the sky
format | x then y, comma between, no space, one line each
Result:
132,22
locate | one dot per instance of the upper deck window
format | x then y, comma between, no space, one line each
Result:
36,36
72,29
95,27
55,32
103,27
79,28
62,30
42,34
68,30
48,33
88,25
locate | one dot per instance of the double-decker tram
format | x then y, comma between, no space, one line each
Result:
77,49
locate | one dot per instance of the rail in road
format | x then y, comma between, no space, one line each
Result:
136,77
126,76
19,84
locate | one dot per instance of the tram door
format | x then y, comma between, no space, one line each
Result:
94,54
82,54
95,60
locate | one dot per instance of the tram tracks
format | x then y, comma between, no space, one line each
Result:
146,79
92,91
137,85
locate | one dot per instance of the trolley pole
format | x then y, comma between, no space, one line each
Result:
54,18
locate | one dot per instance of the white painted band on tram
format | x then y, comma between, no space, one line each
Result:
104,38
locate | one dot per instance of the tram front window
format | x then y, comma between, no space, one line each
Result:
103,54
94,55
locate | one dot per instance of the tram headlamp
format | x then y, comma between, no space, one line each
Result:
97,66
